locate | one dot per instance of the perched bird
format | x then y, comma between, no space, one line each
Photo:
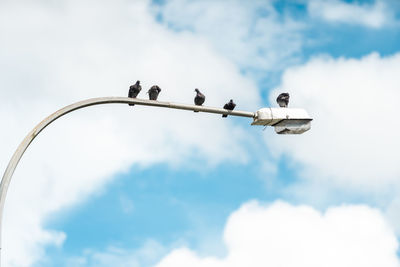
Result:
283,100
199,98
229,106
153,92
134,90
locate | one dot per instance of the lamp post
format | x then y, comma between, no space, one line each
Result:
285,121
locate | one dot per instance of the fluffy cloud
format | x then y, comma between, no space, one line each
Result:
252,34
56,54
284,235
374,15
353,142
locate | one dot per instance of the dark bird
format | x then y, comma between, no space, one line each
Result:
283,100
229,106
153,92
199,98
134,90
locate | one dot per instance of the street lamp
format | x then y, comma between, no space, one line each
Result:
285,121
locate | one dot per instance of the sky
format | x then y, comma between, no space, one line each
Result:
116,185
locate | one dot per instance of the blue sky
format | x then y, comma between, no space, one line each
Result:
150,187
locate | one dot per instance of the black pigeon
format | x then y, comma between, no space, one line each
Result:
134,90
283,100
199,98
153,92
229,106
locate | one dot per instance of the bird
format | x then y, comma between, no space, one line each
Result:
283,100
134,90
199,98
153,92
229,106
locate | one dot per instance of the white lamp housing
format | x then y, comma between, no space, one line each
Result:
284,120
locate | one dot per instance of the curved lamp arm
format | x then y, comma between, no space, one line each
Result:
5,182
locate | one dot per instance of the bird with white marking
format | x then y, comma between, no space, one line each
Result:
283,100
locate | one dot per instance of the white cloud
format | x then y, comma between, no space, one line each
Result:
53,54
353,142
252,34
284,235
374,15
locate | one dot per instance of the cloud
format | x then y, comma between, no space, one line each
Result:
353,141
252,34
376,15
284,235
54,54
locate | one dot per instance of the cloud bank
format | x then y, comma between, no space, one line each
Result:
284,235
353,143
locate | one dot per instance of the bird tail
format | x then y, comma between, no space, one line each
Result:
224,116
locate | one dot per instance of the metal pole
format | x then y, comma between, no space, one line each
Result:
5,182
